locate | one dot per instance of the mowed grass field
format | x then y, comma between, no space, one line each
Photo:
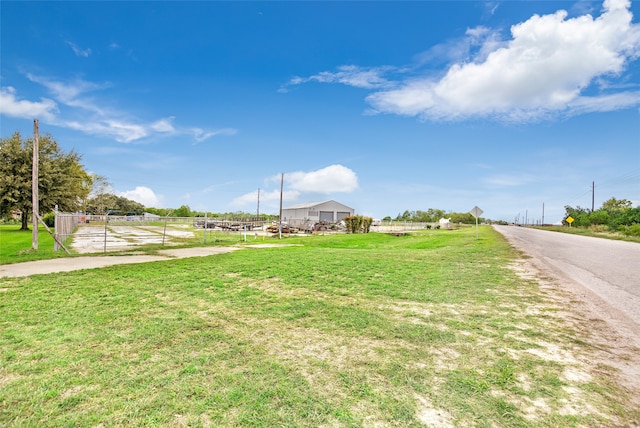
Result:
15,245
431,329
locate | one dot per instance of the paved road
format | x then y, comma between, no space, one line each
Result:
607,270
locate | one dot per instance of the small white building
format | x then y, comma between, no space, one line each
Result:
313,212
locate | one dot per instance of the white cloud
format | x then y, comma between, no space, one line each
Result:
551,65
69,93
202,135
350,75
163,125
544,68
143,195
605,102
120,131
11,106
79,51
334,178
84,113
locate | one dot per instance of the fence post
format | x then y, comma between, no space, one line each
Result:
106,219
205,228
56,247
164,232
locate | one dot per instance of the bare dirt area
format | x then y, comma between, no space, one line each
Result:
596,312
95,239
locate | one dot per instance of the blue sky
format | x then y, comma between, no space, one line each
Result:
382,106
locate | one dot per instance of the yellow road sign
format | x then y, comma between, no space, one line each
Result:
569,220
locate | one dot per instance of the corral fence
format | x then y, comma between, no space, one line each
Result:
101,233
406,226
65,224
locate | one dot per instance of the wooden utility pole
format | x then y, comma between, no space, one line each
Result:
593,194
281,186
34,188
258,209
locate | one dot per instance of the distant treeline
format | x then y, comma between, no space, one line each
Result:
433,215
112,204
616,215
185,211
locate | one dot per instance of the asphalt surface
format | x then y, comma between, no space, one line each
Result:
604,271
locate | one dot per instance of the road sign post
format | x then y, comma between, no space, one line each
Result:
569,220
476,212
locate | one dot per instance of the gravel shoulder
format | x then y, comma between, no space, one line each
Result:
600,302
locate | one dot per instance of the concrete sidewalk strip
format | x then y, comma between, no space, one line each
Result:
90,262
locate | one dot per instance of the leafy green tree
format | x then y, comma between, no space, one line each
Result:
183,211
108,202
406,216
62,179
435,215
614,205
599,217
99,187
580,216
162,212
464,218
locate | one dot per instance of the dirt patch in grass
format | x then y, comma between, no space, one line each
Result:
431,416
613,355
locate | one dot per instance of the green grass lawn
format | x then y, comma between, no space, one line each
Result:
347,330
16,245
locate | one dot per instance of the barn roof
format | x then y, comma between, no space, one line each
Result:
311,205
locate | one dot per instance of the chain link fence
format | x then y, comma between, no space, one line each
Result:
103,233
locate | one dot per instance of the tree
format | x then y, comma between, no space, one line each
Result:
183,211
616,206
62,179
108,202
464,218
579,215
99,187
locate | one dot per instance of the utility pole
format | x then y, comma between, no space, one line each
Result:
542,214
258,209
34,187
281,186
593,193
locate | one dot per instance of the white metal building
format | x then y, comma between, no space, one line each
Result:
313,212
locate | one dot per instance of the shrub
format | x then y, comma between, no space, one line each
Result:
49,219
633,230
358,224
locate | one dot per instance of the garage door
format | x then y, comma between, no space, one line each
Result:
342,215
326,216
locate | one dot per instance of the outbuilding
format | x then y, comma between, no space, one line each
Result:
314,212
